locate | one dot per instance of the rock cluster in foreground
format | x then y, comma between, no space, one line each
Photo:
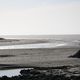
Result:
59,73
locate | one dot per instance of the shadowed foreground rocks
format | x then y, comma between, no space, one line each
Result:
76,55
46,74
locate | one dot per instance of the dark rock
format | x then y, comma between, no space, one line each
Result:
2,39
77,55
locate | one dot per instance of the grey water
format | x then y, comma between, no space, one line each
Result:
63,37
29,46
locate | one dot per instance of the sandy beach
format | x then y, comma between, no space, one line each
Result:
47,56
38,52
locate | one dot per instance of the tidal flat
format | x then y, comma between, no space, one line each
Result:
39,53
39,57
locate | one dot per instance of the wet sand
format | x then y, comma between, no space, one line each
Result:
39,57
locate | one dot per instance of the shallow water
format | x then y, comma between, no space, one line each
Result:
10,73
29,46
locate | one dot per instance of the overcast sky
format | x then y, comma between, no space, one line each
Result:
33,17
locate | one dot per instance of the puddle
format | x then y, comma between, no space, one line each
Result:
11,72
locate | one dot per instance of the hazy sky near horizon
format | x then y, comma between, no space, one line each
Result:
33,17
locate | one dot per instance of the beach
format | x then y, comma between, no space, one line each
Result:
49,56
43,52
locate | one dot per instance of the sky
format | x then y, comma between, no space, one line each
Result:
39,17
